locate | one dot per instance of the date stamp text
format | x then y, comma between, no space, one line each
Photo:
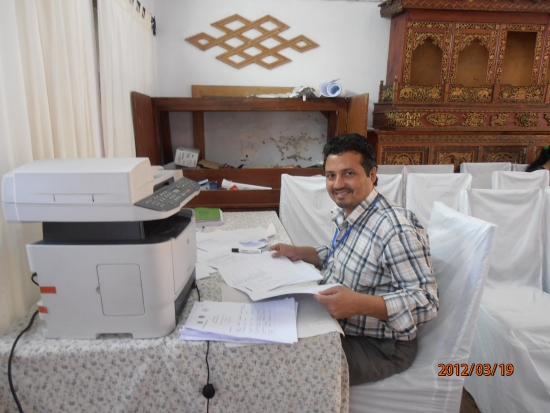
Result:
478,369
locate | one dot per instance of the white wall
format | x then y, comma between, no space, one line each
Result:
353,47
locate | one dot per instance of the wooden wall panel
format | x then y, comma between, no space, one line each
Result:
145,128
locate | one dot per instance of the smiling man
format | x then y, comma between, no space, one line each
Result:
381,256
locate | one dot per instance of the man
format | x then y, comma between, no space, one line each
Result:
380,255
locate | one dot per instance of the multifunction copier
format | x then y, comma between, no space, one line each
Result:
118,251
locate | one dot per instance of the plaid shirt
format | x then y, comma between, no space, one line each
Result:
386,253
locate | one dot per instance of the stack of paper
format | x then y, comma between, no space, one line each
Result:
267,322
258,275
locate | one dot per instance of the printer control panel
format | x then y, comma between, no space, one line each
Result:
170,196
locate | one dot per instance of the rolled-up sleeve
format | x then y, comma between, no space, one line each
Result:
415,299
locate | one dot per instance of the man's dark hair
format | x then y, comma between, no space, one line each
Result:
351,142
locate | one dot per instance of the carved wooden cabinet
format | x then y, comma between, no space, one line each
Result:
467,81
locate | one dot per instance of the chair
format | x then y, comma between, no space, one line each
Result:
519,167
391,169
424,189
513,327
391,186
305,205
423,169
429,169
461,248
546,245
520,180
481,172
304,210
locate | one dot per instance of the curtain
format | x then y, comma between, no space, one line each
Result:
126,65
49,108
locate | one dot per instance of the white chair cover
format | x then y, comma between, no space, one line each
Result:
423,169
390,169
424,189
429,169
546,241
391,186
519,167
520,180
461,248
518,213
513,326
482,171
304,210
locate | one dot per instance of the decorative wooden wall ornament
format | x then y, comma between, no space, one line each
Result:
252,39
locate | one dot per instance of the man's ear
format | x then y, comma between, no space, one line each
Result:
373,176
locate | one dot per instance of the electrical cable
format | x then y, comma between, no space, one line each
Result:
12,388
208,390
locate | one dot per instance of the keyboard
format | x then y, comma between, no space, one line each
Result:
170,196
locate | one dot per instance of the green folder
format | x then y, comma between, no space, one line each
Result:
207,214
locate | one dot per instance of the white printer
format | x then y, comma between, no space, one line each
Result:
118,252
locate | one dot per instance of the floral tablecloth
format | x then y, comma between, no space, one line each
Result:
118,374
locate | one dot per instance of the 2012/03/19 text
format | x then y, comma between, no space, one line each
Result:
478,369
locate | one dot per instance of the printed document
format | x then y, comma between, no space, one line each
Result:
262,272
271,321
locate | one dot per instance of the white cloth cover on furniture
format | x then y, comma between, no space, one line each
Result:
482,171
519,167
304,210
424,189
513,326
520,180
426,169
518,213
461,248
429,169
391,186
391,169
546,245
423,169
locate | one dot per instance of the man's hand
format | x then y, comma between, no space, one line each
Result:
307,254
285,250
341,302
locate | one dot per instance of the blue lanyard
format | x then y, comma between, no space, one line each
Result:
332,247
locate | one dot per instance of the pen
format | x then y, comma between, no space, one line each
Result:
247,250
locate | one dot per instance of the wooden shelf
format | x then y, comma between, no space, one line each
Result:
246,199
228,104
153,140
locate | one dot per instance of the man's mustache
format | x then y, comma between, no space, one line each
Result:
346,188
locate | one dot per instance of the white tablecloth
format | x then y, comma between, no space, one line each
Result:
166,374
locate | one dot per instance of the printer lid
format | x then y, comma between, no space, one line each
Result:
79,190
38,181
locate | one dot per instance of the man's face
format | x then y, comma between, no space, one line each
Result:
347,182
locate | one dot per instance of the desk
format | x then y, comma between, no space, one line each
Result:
167,375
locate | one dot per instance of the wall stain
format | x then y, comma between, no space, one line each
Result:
292,147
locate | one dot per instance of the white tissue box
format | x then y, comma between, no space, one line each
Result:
187,157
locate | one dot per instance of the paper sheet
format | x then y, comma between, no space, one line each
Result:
262,272
203,271
273,321
313,317
229,184
331,89
308,288
208,241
